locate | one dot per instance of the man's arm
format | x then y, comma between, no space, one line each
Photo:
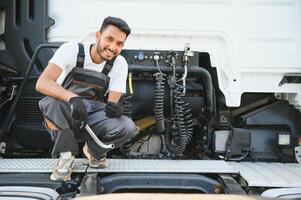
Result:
114,96
47,84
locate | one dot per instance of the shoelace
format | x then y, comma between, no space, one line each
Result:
64,164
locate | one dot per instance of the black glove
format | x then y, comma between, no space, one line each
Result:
78,111
114,109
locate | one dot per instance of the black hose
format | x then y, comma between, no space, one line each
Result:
206,79
181,137
188,121
201,73
128,106
159,101
176,139
167,138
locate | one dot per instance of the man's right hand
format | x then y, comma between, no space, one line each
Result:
78,111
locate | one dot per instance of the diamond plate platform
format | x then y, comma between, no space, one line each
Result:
36,165
269,174
169,166
256,174
119,165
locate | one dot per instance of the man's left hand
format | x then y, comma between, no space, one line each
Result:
113,109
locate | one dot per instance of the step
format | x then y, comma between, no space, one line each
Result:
269,174
120,165
260,174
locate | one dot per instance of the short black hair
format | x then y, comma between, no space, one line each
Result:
114,21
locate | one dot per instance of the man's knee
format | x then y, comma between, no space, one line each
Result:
121,128
130,128
57,111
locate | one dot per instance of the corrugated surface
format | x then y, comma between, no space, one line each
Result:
269,174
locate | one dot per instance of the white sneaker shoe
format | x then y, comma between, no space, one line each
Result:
93,162
63,169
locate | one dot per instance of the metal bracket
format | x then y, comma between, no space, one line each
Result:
2,147
231,186
187,53
89,185
13,92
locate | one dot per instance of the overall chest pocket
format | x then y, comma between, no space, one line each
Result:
88,84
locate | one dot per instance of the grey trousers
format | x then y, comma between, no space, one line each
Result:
108,130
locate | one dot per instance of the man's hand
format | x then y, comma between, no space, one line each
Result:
114,109
78,111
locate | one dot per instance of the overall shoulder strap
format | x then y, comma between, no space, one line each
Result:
79,62
108,66
80,56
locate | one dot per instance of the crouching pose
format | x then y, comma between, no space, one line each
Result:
75,82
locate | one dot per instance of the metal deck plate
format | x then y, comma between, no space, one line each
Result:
256,174
270,174
169,166
119,165
36,165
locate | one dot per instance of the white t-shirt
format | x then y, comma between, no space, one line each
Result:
65,57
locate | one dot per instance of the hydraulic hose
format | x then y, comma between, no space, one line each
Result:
201,73
177,139
159,101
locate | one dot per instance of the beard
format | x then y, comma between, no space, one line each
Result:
105,53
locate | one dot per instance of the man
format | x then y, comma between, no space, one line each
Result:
67,108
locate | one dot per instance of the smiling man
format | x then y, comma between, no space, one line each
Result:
75,82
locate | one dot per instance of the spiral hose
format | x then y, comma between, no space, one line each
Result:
167,138
188,121
181,137
159,101
177,139
128,106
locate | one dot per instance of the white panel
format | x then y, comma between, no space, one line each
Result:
246,39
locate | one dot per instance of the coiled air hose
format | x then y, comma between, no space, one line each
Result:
159,102
128,111
179,128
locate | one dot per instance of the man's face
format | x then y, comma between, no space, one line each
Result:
109,42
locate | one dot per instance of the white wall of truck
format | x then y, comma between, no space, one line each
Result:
252,43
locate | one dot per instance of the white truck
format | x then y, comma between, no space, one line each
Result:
214,87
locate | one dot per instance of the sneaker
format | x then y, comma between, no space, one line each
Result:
93,162
63,169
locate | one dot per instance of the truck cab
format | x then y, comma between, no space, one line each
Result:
214,87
